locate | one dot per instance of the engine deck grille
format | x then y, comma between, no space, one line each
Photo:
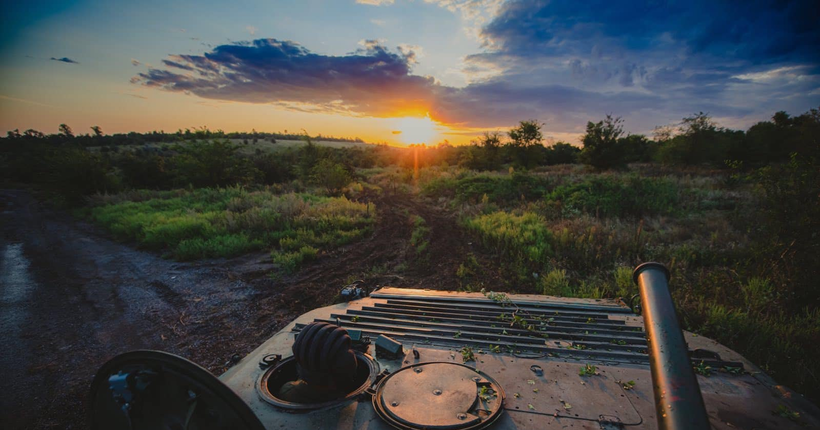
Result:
545,328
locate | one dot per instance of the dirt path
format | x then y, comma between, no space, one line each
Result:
72,299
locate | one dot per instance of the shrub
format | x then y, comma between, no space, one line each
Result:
616,197
290,261
561,153
602,144
624,286
419,237
556,283
227,245
788,238
507,189
226,222
522,238
331,175
212,164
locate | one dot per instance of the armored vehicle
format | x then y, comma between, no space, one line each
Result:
444,360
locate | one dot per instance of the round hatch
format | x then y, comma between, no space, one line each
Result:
156,390
286,371
439,396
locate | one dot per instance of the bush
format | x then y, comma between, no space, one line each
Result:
556,283
616,197
419,236
290,261
145,171
212,164
561,153
603,148
227,245
209,223
499,189
521,238
331,175
75,173
788,238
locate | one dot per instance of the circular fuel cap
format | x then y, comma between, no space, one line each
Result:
156,390
440,395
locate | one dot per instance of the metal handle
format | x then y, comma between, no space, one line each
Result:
678,401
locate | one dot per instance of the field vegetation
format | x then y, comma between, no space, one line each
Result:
734,214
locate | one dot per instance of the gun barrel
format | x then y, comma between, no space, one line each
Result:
678,400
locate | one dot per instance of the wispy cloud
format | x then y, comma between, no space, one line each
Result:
376,2
14,99
378,22
135,62
64,60
252,30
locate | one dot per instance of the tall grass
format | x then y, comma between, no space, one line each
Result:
227,222
619,196
523,239
583,238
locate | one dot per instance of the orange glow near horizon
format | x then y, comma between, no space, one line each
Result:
415,130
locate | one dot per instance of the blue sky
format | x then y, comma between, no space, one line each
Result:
350,67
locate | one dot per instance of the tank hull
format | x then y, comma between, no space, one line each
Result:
434,326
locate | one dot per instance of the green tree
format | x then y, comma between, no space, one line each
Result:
602,144
308,157
524,142
65,130
212,164
486,155
331,175
562,153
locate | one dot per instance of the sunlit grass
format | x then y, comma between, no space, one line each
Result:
227,222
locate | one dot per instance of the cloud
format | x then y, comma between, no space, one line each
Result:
559,61
252,30
378,22
2,97
135,62
376,2
689,56
64,60
411,52
372,81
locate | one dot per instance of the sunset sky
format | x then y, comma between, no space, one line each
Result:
402,71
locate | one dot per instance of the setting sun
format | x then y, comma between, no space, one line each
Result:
416,130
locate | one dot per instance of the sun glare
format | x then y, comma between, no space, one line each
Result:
416,130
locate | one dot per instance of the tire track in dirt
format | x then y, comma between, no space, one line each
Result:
96,298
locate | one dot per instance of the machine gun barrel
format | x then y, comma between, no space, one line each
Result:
678,399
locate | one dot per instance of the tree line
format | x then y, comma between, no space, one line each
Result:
74,167
696,140
98,137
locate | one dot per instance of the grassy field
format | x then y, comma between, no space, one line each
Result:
563,231
560,230
207,223
265,146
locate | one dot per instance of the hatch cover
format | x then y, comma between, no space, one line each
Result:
156,390
440,395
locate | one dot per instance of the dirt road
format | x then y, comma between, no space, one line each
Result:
72,299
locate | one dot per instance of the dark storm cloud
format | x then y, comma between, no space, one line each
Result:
688,55
753,31
371,81
64,60
560,61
